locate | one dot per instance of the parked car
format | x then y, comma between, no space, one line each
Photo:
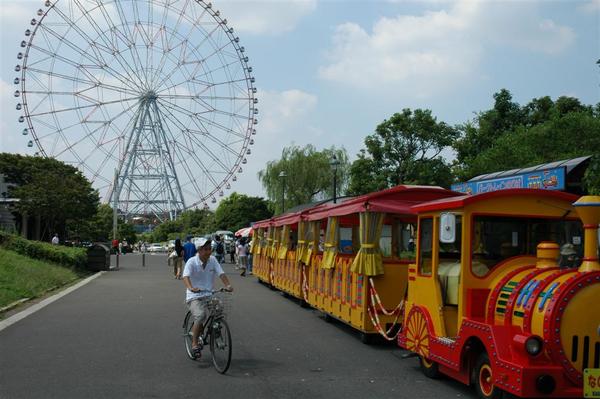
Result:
156,247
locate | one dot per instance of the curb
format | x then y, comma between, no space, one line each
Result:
34,308
13,305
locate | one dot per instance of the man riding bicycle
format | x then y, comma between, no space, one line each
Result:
199,276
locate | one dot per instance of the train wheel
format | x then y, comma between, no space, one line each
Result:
429,368
367,338
484,379
417,333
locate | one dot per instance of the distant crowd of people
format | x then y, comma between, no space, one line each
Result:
239,252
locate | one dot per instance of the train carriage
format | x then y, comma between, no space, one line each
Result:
349,260
488,302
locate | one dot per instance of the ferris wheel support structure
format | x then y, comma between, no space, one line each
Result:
147,172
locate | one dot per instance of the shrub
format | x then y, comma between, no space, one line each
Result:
71,257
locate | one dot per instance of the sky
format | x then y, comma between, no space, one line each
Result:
328,72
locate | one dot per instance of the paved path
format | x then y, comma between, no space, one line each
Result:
120,337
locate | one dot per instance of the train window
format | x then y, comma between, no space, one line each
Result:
425,246
385,241
321,240
451,250
497,238
345,244
293,240
404,247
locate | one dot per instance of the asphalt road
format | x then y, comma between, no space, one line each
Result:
120,337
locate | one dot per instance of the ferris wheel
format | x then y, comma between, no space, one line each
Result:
153,100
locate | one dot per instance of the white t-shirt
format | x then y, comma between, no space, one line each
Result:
55,240
203,278
242,250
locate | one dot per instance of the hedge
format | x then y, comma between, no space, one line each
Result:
75,258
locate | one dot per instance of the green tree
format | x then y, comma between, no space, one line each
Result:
548,131
404,149
101,225
481,134
194,222
197,222
58,193
126,232
239,210
308,176
167,229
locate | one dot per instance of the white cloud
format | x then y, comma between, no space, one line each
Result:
10,138
591,7
439,49
521,26
267,16
285,121
17,11
5,90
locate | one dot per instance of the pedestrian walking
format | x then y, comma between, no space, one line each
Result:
55,239
242,251
189,249
250,257
232,253
219,249
178,259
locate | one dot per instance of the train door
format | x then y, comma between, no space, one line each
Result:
448,268
424,288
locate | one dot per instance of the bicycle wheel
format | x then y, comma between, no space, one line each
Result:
187,335
220,345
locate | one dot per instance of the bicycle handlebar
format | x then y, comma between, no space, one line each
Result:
222,289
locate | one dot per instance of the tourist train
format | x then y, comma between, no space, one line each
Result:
493,289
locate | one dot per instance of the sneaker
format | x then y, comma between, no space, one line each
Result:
197,351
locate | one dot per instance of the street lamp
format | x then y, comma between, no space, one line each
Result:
334,165
283,175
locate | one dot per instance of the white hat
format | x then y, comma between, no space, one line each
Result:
201,242
568,249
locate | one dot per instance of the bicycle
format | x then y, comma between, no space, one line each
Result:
216,332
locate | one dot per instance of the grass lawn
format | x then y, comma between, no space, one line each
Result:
23,277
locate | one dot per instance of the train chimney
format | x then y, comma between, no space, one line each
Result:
547,254
588,209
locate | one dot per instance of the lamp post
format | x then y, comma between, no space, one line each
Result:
282,175
334,165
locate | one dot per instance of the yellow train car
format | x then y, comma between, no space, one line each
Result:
497,297
349,260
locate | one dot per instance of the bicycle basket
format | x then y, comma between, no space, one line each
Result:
220,303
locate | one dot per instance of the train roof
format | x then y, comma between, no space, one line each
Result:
464,200
398,200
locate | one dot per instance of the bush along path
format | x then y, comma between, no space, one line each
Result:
30,269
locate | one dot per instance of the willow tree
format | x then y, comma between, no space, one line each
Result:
303,175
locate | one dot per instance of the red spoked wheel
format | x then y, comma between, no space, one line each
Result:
417,332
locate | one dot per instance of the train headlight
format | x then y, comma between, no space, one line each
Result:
534,345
